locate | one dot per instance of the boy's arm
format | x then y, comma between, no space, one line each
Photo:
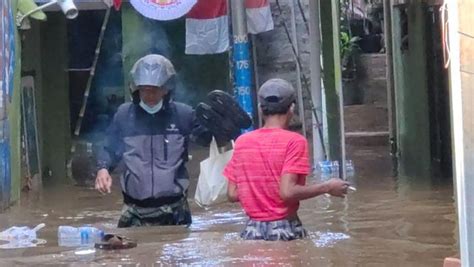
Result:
291,191
232,193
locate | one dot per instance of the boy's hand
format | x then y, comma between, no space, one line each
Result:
337,187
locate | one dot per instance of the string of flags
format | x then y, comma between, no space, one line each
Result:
207,21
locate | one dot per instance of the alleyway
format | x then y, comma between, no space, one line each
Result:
385,222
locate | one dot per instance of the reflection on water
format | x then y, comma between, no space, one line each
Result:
384,223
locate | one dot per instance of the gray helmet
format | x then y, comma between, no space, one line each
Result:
153,70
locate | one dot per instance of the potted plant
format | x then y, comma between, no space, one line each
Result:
349,53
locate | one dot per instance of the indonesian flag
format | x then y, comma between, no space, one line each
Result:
259,16
207,25
207,28
117,4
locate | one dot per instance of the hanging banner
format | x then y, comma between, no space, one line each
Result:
163,9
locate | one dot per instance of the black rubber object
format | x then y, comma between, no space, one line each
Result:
223,129
224,104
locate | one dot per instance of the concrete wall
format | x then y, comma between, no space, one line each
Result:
15,121
45,53
274,53
411,94
54,98
462,95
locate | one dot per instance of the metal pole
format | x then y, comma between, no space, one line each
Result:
315,65
257,77
241,55
299,88
392,123
336,30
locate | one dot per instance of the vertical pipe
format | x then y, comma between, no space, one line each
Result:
339,92
241,56
257,77
315,65
392,122
299,87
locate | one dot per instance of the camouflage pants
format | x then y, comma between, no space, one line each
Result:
284,230
177,213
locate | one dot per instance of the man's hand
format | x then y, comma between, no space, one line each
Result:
337,187
103,181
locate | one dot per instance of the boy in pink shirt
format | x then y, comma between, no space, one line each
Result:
267,172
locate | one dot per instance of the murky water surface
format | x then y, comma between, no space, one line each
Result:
387,222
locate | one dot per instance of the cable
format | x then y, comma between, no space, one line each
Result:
445,24
305,80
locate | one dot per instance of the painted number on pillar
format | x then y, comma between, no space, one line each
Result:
238,39
243,90
243,64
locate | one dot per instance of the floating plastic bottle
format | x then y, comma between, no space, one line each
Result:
16,233
330,169
21,237
85,236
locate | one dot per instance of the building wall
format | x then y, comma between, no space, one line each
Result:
46,55
54,97
9,108
464,125
275,56
411,94
15,120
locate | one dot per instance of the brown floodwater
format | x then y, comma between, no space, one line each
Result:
386,222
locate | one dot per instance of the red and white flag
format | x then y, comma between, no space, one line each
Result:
259,16
207,28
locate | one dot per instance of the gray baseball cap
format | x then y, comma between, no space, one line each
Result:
276,95
153,70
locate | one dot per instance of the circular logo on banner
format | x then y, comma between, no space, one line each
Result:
163,9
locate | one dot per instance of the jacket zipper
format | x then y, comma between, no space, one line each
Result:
165,147
152,159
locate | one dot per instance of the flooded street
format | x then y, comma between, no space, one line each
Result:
386,222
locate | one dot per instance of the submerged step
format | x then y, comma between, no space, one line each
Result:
367,138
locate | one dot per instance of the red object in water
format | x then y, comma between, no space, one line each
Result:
117,4
452,262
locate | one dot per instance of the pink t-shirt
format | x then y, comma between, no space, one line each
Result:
259,161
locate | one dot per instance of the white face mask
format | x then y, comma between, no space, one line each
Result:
151,110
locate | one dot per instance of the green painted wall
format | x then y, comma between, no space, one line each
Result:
332,75
14,114
410,74
54,97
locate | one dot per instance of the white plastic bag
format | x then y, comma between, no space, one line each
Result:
212,185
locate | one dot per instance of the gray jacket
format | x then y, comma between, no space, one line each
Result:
154,149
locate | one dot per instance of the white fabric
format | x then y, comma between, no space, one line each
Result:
212,185
207,36
259,20
167,10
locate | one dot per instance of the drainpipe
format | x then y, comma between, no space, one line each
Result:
316,90
391,105
298,69
241,58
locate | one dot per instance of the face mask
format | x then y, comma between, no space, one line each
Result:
151,110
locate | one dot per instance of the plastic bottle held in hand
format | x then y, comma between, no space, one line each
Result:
69,236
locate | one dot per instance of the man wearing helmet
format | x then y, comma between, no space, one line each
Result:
151,136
